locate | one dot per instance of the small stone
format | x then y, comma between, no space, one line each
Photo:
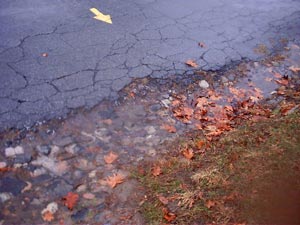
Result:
166,102
155,108
80,215
36,201
203,84
44,149
89,196
81,188
224,79
62,142
12,152
150,129
3,165
73,149
151,152
22,159
5,196
92,174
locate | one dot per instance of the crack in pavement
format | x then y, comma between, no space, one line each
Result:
88,61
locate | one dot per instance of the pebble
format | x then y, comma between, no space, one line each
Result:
44,149
72,149
12,152
224,79
81,188
166,102
204,84
62,142
5,196
80,215
22,159
150,129
155,108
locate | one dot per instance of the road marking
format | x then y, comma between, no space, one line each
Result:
100,16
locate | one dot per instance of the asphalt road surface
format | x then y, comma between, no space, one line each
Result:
54,56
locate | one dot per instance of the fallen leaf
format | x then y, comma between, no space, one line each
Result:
70,200
114,180
48,216
284,82
110,158
202,45
191,63
169,216
277,75
200,144
188,153
163,199
294,69
210,204
169,128
156,170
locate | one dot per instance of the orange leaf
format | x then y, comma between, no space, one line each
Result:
110,158
191,63
168,215
70,200
156,171
114,180
188,153
200,144
169,128
48,216
210,204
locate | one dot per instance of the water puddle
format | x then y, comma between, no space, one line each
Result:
82,153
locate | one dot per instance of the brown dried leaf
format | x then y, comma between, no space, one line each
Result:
48,216
169,128
210,204
188,153
163,199
191,63
169,216
200,144
114,180
284,82
294,69
156,170
70,200
110,158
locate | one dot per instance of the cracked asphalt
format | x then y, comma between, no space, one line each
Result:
88,60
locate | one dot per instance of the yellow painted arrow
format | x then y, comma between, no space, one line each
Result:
101,16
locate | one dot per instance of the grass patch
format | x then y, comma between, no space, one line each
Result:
250,175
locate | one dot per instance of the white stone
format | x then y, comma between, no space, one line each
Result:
19,150
12,152
203,84
5,196
150,129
